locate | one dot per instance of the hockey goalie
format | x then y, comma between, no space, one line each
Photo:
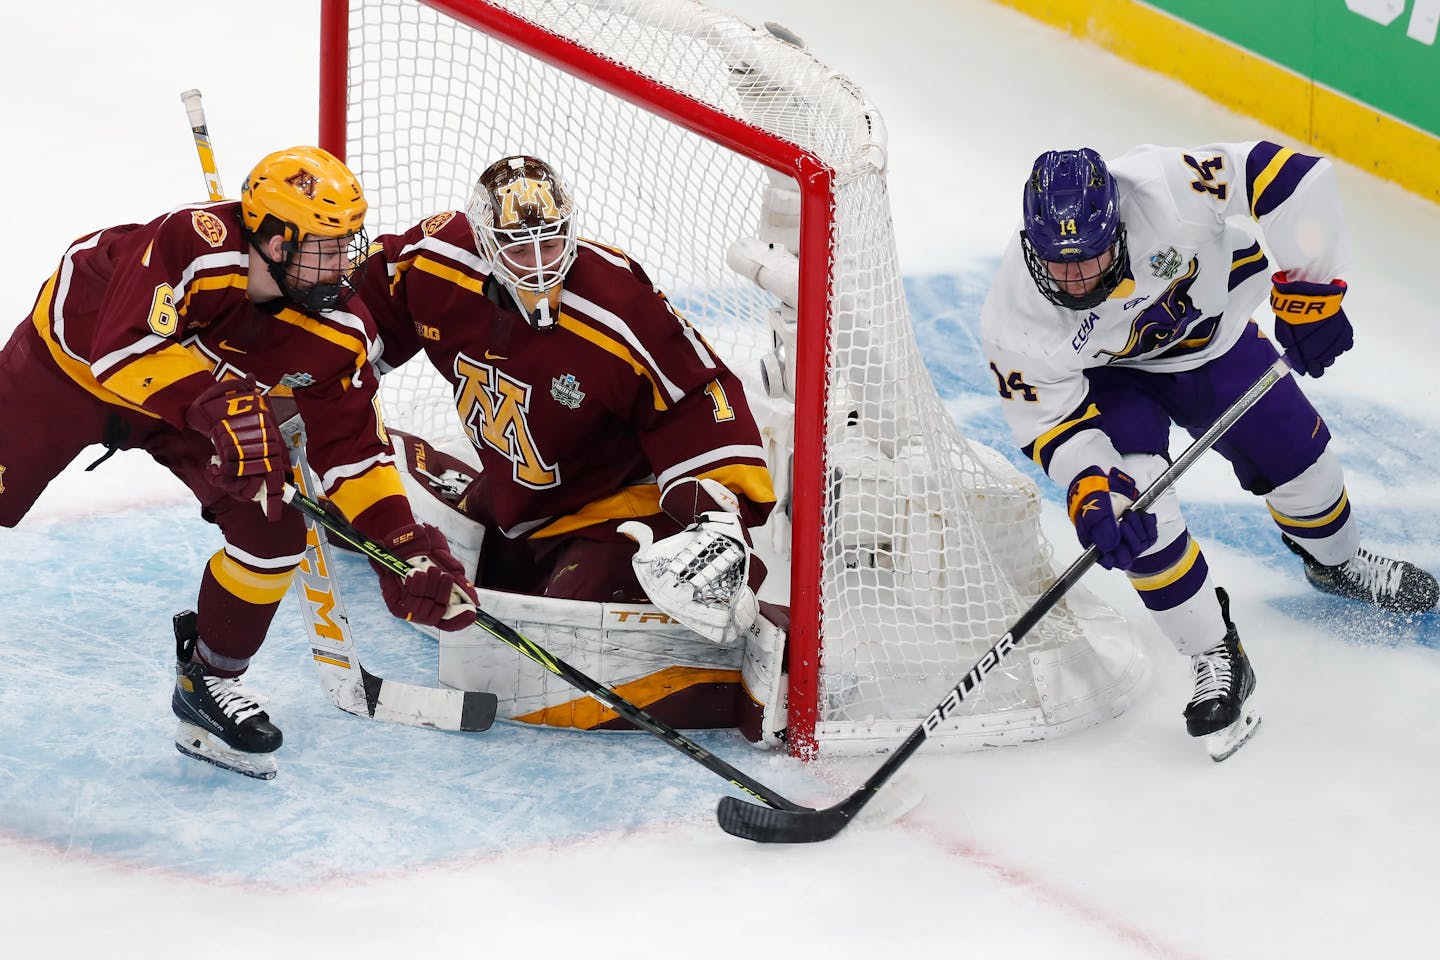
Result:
617,469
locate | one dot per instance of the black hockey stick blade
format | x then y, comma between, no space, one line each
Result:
468,711
764,825
750,821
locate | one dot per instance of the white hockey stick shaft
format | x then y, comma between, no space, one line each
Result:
195,111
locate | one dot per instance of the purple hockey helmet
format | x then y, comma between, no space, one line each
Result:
1072,214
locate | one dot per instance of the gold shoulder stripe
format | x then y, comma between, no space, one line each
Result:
610,345
1267,176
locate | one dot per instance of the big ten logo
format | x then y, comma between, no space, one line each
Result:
427,332
1424,16
642,617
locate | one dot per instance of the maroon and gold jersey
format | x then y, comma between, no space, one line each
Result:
145,317
583,424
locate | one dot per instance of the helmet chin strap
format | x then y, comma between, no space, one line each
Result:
320,297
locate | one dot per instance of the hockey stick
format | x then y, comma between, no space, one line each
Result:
195,110
533,651
763,825
347,683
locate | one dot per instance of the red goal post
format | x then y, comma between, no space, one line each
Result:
748,178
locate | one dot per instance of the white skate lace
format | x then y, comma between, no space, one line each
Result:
237,704
1212,674
1379,576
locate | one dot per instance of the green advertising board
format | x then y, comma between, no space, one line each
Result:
1380,52
1358,80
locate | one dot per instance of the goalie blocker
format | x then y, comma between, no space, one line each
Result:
730,672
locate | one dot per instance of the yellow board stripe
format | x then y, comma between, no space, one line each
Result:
587,714
1329,517
249,585
1335,124
1166,577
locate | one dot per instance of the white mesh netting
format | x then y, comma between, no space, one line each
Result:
930,544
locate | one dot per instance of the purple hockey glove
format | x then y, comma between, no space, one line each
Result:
1096,499
1309,322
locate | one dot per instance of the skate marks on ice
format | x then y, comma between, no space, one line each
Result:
88,764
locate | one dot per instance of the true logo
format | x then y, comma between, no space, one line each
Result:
566,390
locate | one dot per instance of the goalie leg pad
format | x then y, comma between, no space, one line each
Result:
763,715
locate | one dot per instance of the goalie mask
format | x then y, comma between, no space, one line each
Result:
1073,239
523,220
315,205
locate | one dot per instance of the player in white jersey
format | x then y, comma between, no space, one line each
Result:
1123,305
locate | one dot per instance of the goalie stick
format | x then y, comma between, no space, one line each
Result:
751,822
528,648
347,683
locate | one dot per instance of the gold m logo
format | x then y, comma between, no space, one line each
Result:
526,192
304,181
495,412
2,478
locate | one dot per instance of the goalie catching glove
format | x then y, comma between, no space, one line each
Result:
250,460
435,593
699,576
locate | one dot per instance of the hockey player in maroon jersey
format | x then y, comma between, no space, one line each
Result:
600,416
175,337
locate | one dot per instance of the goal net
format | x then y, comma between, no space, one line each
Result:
749,179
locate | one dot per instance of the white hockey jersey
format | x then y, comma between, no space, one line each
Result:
1194,280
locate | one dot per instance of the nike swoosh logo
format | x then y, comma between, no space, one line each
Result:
225,345
494,356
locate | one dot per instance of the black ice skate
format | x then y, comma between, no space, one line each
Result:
1222,712
220,722
1389,584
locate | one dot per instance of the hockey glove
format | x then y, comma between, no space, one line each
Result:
250,460
1310,323
436,593
1096,499
700,575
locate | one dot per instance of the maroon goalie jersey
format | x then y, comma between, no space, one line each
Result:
580,426
146,316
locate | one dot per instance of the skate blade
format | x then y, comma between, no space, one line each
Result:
1222,744
202,745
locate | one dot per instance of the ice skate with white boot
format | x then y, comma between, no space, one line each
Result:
1389,584
220,721
1222,713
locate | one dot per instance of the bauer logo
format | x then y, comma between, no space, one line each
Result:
210,227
